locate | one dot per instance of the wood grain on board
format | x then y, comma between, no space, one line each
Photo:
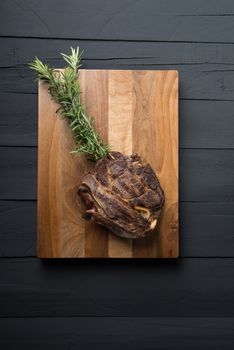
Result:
136,112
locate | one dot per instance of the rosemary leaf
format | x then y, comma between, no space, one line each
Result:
65,89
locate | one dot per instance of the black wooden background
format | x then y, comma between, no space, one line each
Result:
103,304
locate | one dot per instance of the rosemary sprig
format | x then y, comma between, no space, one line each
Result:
65,89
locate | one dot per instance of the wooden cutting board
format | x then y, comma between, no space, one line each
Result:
135,112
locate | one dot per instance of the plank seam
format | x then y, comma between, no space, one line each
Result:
117,316
117,40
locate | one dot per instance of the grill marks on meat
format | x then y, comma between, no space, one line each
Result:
123,194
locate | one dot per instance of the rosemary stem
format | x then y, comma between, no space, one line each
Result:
65,89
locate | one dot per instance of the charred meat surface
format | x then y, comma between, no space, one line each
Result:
123,194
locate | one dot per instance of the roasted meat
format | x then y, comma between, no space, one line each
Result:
123,194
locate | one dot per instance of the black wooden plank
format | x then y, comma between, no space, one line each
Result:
202,82
16,52
18,122
115,333
207,124
120,20
18,228
206,71
206,229
99,287
205,175
18,167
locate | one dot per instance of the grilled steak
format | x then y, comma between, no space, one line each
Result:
123,194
